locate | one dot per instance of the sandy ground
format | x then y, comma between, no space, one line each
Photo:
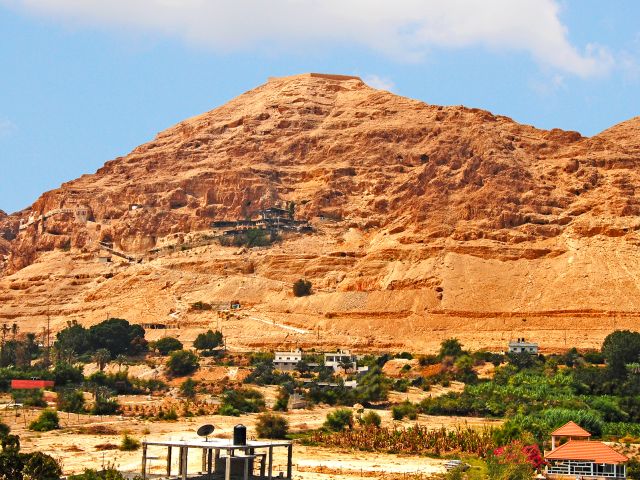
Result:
77,444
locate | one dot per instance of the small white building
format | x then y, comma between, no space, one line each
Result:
520,345
340,359
287,361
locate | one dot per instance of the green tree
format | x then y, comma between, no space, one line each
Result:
66,374
70,401
271,425
208,341
73,338
116,335
302,288
619,348
166,345
182,362
102,357
450,348
339,419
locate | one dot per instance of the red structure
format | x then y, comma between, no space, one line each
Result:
31,384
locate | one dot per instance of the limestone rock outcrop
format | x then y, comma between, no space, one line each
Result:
426,219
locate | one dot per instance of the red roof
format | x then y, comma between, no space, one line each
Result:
590,451
570,429
31,384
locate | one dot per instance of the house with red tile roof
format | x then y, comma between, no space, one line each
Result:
580,457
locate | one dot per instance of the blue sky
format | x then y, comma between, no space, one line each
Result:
84,81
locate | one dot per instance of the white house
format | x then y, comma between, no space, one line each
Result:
340,359
520,345
287,361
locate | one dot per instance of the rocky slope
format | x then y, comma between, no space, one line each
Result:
429,221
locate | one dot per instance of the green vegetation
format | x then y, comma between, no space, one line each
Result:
405,409
128,444
370,418
182,362
270,425
208,341
242,400
188,388
71,401
115,335
46,421
253,237
166,345
415,440
301,288
339,419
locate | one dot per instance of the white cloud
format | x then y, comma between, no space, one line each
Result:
403,29
381,83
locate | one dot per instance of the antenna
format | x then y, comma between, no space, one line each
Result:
205,431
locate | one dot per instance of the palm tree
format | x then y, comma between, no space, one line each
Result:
102,357
121,360
14,330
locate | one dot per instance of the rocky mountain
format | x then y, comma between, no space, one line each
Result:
427,222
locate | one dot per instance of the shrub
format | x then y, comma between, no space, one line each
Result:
282,401
105,406
339,419
48,420
4,430
188,388
450,348
29,398
271,425
182,362
70,401
40,466
370,418
405,409
302,288
128,444
242,400
166,345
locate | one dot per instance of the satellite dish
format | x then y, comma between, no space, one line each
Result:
205,431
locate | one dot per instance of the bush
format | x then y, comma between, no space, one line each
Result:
242,400
109,473
282,401
302,288
39,466
4,430
71,401
370,418
105,406
405,409
166,345
128,444
188,388
47,421
182,362
450,348
29,398
339,419
271,425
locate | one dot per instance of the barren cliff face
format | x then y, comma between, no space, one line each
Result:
428,221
